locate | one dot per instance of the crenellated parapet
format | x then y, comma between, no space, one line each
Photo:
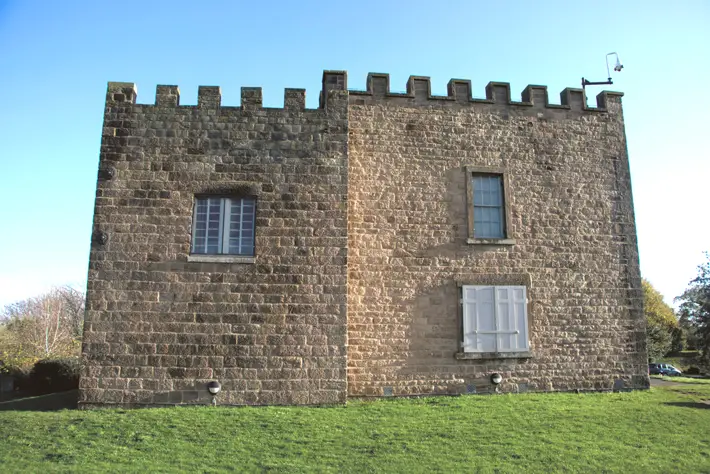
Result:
459,92
210,97
418,93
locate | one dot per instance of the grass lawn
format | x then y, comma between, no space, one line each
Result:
666,429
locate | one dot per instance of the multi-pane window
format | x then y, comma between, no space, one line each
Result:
223,225
495,319
488,207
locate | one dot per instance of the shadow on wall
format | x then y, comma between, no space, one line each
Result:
232,393
193,394
52,402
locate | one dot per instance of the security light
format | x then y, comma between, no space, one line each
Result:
100,237
618,66
496,379
214,387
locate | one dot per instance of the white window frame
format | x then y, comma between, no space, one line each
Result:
225,215
473,320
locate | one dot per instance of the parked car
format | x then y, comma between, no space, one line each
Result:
671,371
663,369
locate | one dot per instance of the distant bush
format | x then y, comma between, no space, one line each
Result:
22,378
692,371
54,375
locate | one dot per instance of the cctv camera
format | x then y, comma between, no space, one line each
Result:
618,66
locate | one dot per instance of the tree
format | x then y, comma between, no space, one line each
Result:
661,322
74,308
690,332
48,325
695,310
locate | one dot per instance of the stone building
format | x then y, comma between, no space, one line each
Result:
382,244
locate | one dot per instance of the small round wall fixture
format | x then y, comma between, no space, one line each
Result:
107,173
496,379
100,237
214,387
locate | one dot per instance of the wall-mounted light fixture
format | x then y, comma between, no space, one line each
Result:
100,237
107,173
496,379
214,387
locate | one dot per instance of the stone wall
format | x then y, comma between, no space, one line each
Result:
571,219
271,329
362,243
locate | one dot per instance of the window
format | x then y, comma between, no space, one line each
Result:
488,218
488,206
223,226
495,319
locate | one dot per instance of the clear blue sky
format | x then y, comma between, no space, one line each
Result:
56,57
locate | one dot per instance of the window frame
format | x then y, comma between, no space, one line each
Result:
507,238
222,257
466,353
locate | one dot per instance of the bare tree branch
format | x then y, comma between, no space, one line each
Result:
44,326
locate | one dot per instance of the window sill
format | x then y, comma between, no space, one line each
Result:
221,258
493,355
490,241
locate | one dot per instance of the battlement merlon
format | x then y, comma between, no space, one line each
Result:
209,97
121,92
335,86
459,91
167,96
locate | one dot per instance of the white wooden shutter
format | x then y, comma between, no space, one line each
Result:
468,299
511,314
479,319
506,337
519,300
495,319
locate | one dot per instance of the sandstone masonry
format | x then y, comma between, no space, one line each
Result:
363,243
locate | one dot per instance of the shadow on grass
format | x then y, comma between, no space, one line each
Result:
702,405
684,381
50,402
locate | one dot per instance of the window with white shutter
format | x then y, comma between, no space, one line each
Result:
223,226
495,319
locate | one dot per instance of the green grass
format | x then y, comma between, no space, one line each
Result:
666,429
